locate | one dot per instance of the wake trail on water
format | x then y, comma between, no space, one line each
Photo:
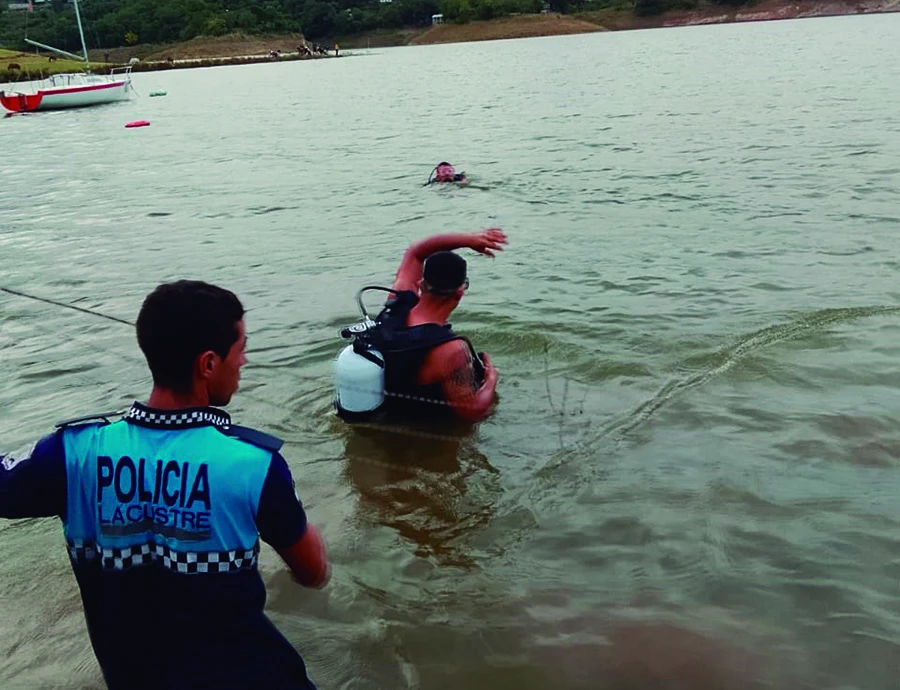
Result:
727,357
618,430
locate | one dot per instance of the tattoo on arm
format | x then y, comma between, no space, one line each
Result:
463,372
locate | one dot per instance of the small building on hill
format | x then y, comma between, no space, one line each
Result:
25,4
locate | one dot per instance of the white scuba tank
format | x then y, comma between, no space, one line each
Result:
358,380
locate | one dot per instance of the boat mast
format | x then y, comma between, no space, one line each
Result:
81,33
67,54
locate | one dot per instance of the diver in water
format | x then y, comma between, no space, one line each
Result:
444,172
409,355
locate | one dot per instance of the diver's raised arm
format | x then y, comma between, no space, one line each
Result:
410,271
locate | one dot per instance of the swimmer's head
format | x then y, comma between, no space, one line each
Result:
444,172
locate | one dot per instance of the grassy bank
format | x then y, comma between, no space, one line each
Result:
32,66
382,38
616,18
522,26
203,52
204,47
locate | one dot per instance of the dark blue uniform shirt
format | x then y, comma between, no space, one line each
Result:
162,513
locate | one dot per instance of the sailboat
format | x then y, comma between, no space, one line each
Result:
72,90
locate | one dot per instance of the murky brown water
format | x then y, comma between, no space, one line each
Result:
693,470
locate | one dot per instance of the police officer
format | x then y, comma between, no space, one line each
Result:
163,511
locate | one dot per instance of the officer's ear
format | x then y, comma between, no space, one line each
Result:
206,363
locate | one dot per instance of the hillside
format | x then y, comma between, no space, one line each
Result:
524,26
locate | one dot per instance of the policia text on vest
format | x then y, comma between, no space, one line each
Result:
178,502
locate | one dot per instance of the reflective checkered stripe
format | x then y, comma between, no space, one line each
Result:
176,419
81,551
187,562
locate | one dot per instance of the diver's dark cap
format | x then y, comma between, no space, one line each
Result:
445,272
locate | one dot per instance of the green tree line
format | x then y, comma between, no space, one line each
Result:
113,23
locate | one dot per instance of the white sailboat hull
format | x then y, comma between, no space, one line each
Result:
80,96
68,91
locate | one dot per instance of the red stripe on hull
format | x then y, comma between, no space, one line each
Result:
81,89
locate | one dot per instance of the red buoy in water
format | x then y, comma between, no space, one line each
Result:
138,123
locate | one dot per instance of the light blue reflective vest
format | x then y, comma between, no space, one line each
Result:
174,490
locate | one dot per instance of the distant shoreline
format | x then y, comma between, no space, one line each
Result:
201,52
523,26
764,10
528,26
239,49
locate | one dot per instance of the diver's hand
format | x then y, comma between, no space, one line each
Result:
491,378
488,241
490,371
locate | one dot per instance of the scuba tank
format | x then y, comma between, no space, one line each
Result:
358,381
359,369
385,355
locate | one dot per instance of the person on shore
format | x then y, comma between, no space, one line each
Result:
163,511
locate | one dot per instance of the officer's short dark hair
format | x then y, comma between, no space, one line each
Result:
179,321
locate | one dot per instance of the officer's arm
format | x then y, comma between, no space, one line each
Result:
469,400
33,480
282,524
307,559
